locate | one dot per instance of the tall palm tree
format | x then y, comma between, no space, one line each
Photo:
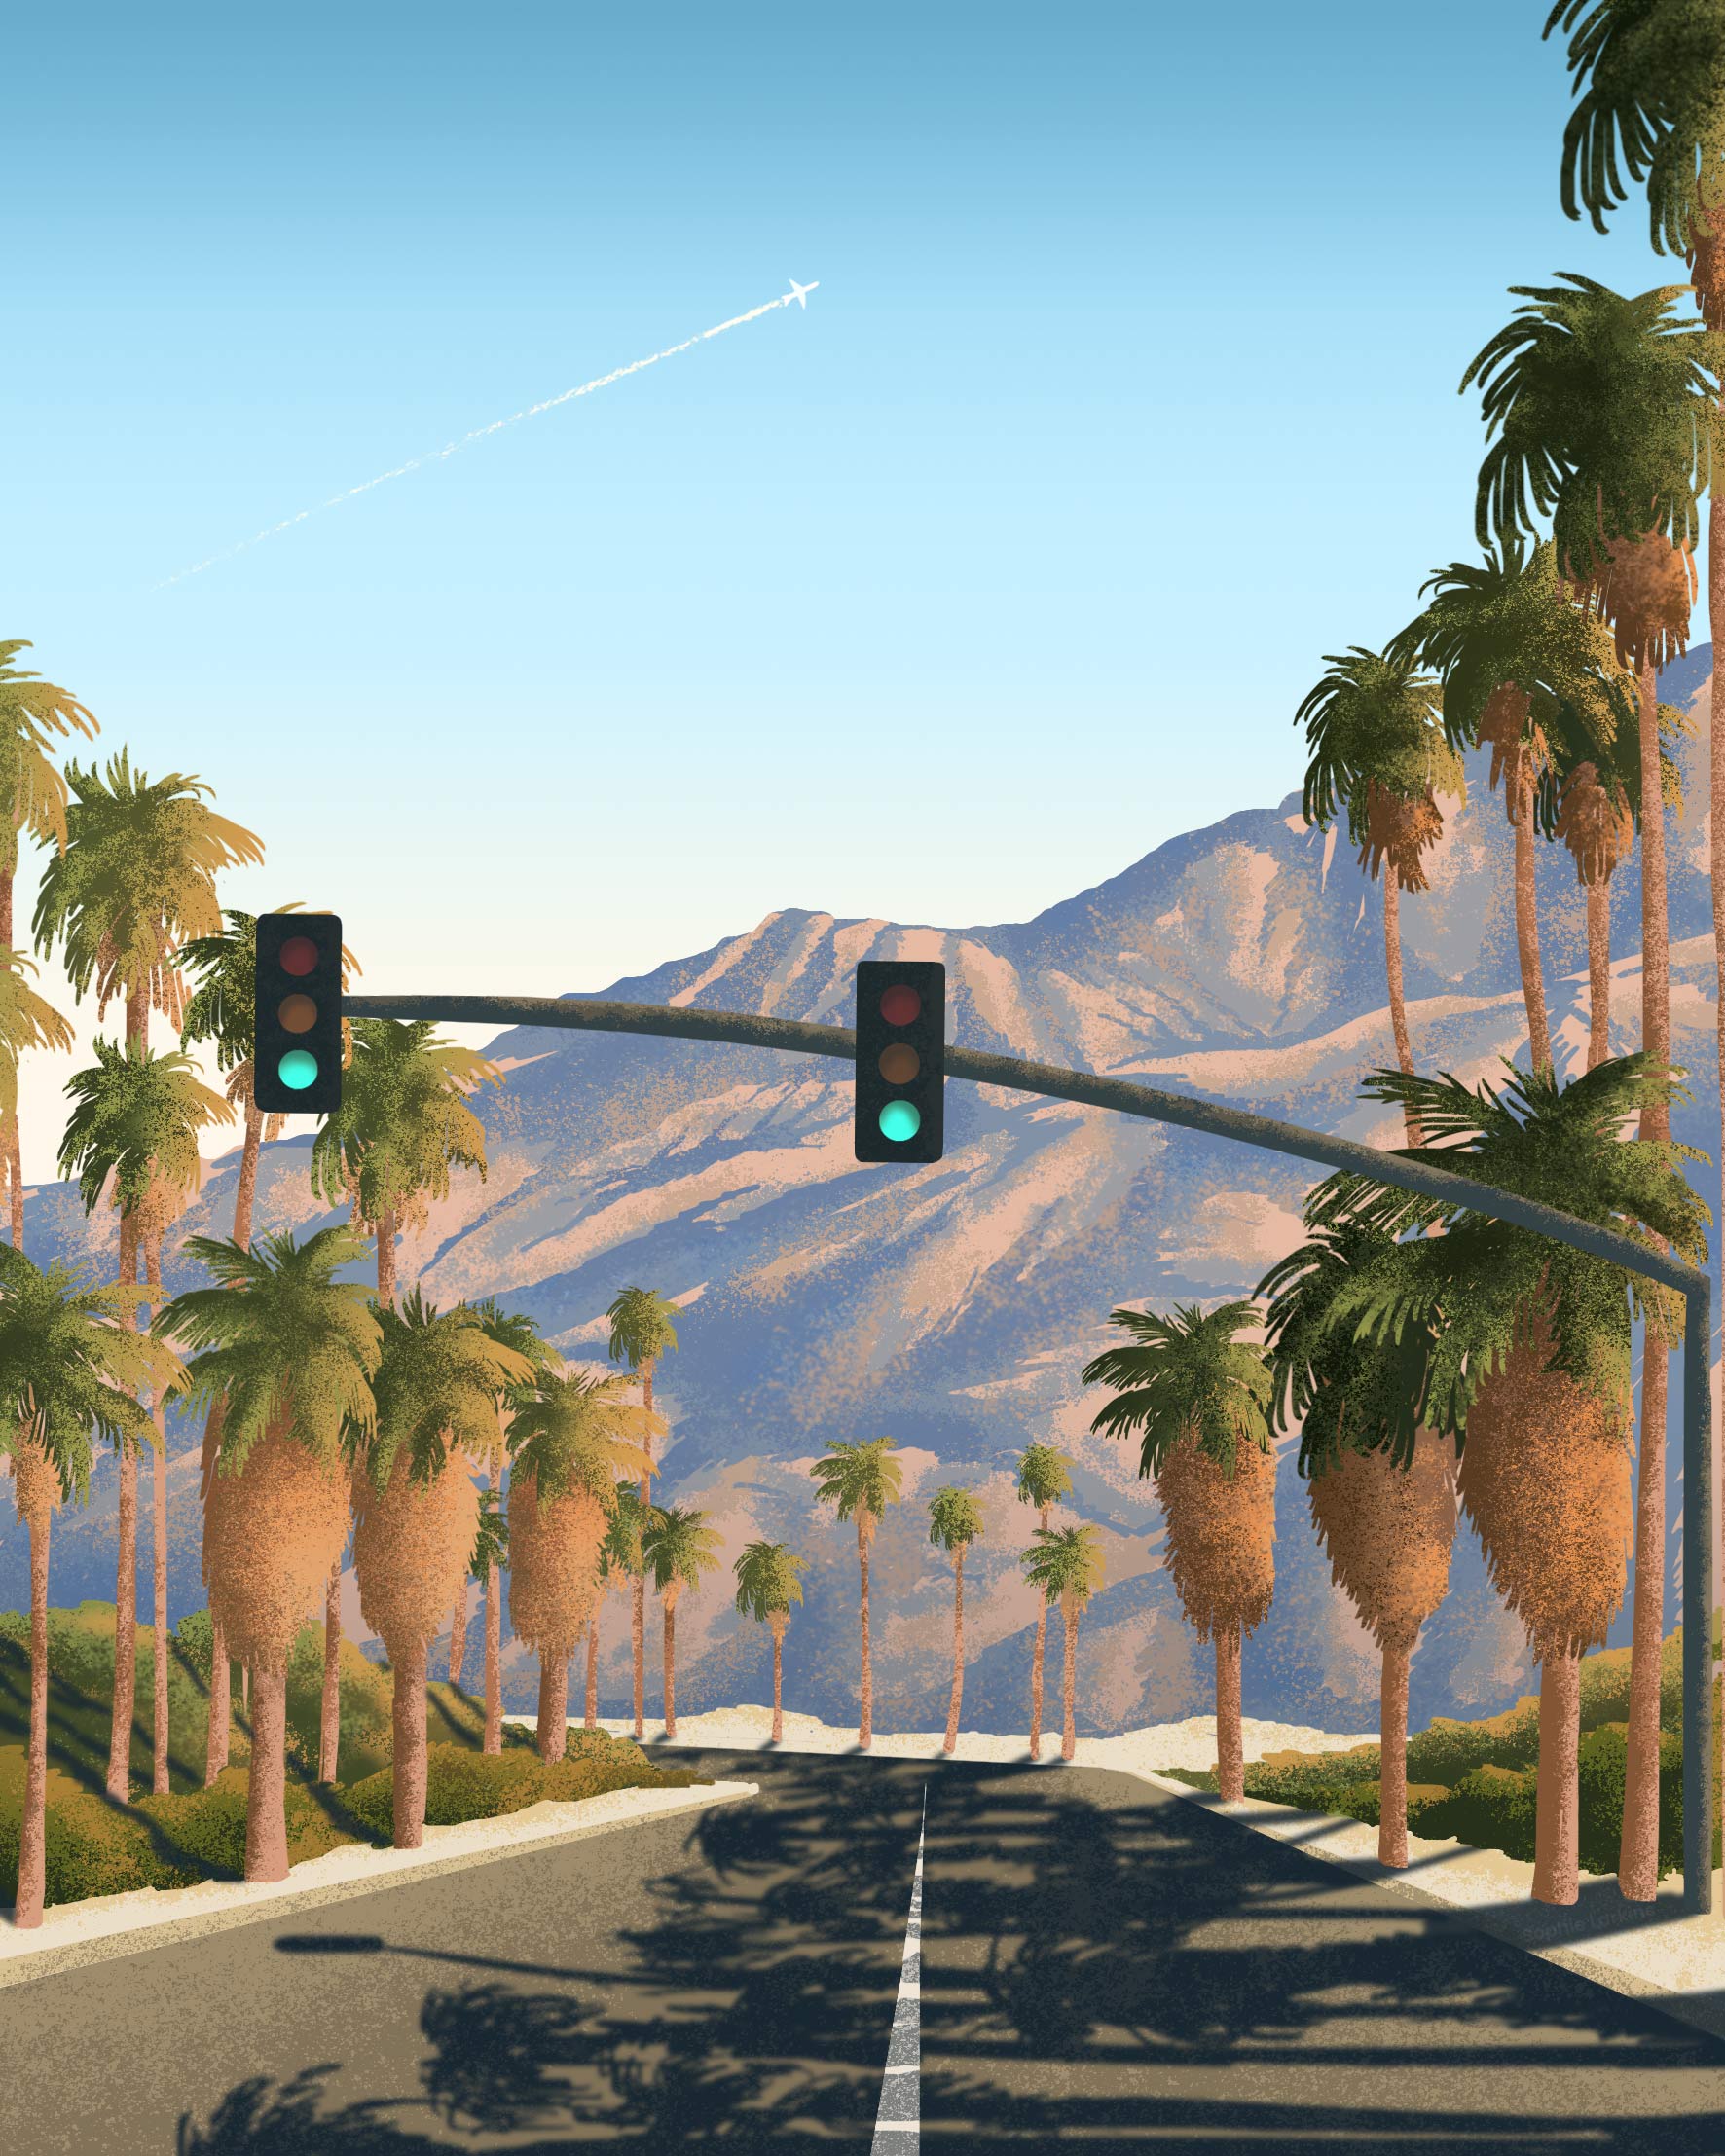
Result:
1523,1355
1601,406
415,1509
1066,1564
65,1367
955,1522
679,1548
1655,75
620,1564
136,1120
1201,1397
864,1479
293,1354
515,1330
768,1582
569,1443
641,1330
1042,1480
1382,1489
1378,752
1526,673
34,792
136,878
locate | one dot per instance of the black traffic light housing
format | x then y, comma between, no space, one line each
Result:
901,1058
297,1024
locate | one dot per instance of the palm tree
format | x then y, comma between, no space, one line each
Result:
1382,1488
569,1443
1201,1397
223,1009
955,1520
415,1509
515,1330
136,1119
293,1354
65,1367
1067,1564
1526,673
35,792
768,1582
678,1549
620,1564
1601,405
641,1330
490,1553
1656,85
1520,1348
1042,1480
136,879
864,1479
1379,750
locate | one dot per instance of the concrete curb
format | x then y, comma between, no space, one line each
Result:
140,1922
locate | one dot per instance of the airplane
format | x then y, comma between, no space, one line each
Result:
800,292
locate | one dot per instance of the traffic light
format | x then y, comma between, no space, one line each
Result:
901,1059
296,1056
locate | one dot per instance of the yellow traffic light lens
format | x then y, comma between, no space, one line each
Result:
297,1070
899,1121
298,1014
899,1062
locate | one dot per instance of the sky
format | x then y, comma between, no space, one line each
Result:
1129,394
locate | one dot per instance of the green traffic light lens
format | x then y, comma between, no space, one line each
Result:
899,1121
298,1069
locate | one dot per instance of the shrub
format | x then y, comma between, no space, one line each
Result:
1449,1751
1602,1770
1492,1807
195,1637
1363,1801
88,1849
462,1784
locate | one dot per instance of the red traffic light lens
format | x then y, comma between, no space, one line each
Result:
902,1005
299,956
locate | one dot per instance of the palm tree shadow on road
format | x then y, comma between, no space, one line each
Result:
1078,1934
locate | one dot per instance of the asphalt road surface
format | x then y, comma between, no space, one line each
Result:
1101,1964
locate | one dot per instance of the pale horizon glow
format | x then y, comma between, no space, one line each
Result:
529,411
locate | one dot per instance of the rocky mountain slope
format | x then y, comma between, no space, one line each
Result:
953,1305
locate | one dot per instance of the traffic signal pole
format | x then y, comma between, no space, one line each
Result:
1124,1097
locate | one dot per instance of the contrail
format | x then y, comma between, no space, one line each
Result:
497,426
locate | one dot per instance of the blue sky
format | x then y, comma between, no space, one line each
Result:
1129,391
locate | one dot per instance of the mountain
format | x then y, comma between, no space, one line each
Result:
953,1305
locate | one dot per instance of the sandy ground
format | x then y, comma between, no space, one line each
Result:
1647,1948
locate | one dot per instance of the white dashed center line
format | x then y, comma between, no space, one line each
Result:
898,2124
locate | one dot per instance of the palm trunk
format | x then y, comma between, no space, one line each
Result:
266,1816
591,1715
1229,1761
385,1238
15,1156
1528,931
1398,1006
408,1715
778,1687
1068,1734
329,1735
671,1663
1392,1756
1035,1662
1598,972
32,1828
1556,1833
1637,1862
125,1585
457,1636
637,1628
554,1695
18,1188
216,1741
245,1692
493,1644
958,1656
159,1552
865,1726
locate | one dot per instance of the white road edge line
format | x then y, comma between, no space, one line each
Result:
907,2022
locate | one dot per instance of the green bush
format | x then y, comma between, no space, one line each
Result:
1363,1802
461,1785
1492,1807
195,1637
1309,1782
1602,1770
90,1849
1449,1751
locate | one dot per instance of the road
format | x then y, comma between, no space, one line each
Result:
1102,1965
